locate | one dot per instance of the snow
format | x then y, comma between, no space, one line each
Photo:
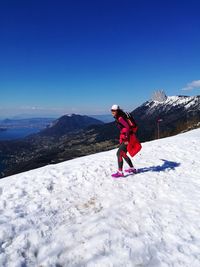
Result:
75,214
177,100
187,102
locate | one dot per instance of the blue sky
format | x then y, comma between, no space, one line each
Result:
61,57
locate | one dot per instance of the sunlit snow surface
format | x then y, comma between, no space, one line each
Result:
75,214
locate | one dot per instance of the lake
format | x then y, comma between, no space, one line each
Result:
17,133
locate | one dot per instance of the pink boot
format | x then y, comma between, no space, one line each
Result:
131,170
118,174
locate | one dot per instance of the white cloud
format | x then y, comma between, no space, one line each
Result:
192,85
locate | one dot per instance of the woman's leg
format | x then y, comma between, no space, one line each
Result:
128,160
121,153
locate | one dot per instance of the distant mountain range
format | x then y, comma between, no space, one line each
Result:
39,123
73,136
67,124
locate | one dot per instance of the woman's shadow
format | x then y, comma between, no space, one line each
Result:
170,165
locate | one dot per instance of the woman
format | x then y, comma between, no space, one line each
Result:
128,141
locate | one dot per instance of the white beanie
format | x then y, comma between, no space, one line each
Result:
115,107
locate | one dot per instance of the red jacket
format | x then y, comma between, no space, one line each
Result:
124,130
127,135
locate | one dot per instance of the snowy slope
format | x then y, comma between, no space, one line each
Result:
75,214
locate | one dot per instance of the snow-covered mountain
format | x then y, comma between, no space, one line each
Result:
189,103
75,214
178,113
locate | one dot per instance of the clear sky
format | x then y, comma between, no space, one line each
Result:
83,56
